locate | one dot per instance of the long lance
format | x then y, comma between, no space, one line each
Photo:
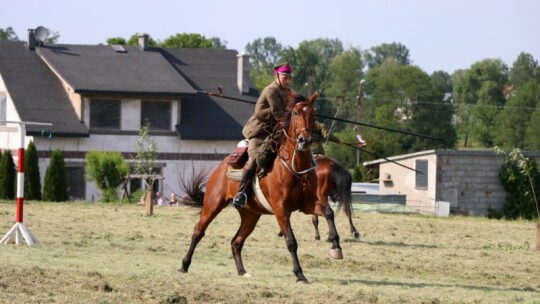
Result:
379,127
378,156
221,95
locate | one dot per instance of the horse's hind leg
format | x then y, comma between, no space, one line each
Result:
315,221
247,225
333,236
207,215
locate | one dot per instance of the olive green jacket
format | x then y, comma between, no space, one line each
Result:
270,107
319,136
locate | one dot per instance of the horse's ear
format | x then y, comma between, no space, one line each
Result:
314,97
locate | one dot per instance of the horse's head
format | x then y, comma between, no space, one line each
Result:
302,121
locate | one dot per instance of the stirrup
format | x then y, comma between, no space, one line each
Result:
239,200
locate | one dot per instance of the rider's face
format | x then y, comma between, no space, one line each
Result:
284,79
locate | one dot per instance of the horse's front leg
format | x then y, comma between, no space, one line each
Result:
247,225
285,225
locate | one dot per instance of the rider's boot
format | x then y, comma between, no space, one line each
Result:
247,175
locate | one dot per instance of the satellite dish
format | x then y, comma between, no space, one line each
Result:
41,33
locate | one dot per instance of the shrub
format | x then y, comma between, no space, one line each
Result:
7,176
55,188
107,170
32,179
520,177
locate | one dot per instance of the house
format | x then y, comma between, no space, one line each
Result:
467,179
98,96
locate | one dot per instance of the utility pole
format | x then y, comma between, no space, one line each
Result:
359,100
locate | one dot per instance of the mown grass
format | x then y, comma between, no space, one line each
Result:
97,253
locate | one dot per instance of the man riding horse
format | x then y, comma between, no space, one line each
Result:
271,108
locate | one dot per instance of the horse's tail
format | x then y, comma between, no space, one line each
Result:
342,179
194,186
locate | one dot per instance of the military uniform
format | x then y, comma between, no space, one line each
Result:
320,134
270,108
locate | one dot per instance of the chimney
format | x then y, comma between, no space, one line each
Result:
143,41
32,42
242,76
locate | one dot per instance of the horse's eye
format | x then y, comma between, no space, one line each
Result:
295,113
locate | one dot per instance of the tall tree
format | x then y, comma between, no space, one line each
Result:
378,54
32,178
514,119
344,77
310,63
524,69
187,41
7,176
55,186
479,93
8,34
264,54
532,140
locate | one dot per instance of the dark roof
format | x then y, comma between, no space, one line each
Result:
38,92
202,116
100,69
38,95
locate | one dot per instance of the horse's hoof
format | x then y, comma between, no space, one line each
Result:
356,235
247,275
336,254
182,270
302,281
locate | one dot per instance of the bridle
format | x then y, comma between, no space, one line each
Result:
300,143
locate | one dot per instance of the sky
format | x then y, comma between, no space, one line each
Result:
442,35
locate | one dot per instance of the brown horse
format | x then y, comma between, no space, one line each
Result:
334,182
289,185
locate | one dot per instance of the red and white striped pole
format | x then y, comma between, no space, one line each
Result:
20,178
19,229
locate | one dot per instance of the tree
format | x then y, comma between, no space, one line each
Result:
146,152
55,187
7,176
515,118
184,40
310,62
8,34
345,74
532,140
378,54
525,68
478,92
264,54
217,43
107,170
520,177
32,179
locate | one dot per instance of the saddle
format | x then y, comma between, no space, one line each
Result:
238,158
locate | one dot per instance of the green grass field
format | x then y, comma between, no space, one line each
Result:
99,253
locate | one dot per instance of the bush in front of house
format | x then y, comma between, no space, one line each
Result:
55,187
32,178
107,170
7,176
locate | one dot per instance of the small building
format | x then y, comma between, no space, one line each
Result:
97,97
466,179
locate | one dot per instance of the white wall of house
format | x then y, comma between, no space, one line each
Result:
403,181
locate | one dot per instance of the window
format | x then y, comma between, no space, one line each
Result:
158,113
3,105
422,179
76,183
105,114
